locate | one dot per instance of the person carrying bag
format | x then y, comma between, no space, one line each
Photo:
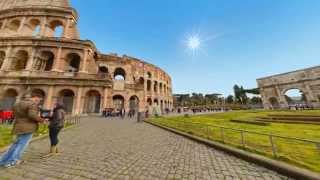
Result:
56,124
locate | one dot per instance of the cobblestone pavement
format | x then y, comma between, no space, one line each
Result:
122,149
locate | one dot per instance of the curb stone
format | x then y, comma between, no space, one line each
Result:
277,166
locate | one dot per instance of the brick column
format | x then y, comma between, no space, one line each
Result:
77,109
57,61
283,102
31,60
66,29
83,66
21,26
49,98
43,29
310,95
105,103
126,104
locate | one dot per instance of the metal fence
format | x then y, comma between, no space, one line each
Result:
72,120
299,150
69,120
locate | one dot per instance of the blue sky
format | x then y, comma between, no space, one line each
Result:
256,38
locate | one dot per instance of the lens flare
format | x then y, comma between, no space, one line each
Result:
194,42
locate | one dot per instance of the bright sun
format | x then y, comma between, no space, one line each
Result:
194,42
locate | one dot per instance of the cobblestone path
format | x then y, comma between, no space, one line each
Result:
122,149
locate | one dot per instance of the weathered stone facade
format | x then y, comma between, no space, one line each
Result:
41,51
273,88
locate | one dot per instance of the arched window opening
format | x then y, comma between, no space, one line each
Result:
19,61
58,32
103,69
160,87
57,28
155,87
134,104
141,81
103,72
9,99
118,102
35,27
149,75
119,74
36,31
149,101
156,102
295,97
149,85
67,98
14,25
73,61
49,59
92,102
2,57
44,61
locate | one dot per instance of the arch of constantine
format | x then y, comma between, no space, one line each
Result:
41,51
273,88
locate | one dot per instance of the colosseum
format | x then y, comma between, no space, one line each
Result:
41,51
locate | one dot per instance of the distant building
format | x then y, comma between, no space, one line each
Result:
273,88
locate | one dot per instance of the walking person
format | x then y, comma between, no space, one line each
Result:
26,123
56,124
123,113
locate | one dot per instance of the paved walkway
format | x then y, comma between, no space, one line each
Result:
123,149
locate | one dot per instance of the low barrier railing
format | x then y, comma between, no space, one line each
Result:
301,151
72,120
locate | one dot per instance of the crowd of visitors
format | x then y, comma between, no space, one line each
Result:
301,107
111,112
196,110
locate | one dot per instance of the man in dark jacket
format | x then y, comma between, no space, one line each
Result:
26,122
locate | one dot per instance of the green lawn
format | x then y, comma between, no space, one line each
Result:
295,152
6,137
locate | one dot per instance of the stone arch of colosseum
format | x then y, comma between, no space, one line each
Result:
118,101
19,60
93,101
273,89
44,61
67,97
119,73
134,102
